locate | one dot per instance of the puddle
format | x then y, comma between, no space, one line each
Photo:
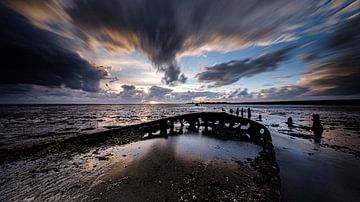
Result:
172,168
190,146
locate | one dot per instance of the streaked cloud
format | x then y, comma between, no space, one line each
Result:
230,72
336,70
282,93
164,29
134,51
31,55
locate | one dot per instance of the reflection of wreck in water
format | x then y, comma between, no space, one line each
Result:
228,127
216,124
205,122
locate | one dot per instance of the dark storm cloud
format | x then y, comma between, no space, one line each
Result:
338,72
30,55
230,72
163,29
148,25
172,74
11,89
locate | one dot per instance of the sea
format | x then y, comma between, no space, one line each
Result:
26,125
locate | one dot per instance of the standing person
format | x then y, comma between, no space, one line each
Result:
231,111
249,113
242,112
237,111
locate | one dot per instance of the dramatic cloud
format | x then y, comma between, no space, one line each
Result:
166,29
281,93
30,55
230,72
172,74
49,47
338,72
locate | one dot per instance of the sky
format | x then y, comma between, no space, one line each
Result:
171,51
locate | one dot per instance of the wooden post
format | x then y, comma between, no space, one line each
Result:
206,125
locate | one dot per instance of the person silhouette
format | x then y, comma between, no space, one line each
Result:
317,128
237,111
242,112
231,111
249,113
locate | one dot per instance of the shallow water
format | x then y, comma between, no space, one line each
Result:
35,124
55,178
310,172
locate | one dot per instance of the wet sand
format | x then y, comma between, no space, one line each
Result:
311,172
